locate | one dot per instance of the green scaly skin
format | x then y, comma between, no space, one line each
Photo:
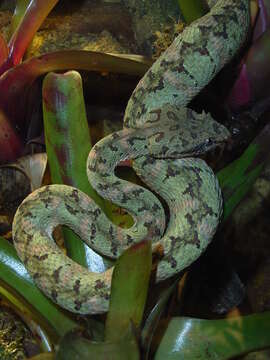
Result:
162,136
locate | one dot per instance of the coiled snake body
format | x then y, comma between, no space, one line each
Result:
162,136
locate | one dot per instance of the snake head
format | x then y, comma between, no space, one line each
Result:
181,132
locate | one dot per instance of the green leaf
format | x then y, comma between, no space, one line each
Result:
129,290
68,144
73,347
192,9
237,178
194,339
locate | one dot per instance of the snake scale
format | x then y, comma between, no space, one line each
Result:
162,136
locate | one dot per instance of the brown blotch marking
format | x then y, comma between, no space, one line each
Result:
143,109
29,239
99,284
129,240
56,274
46,202
172,116
42,257
71,210
164,150
93,231
190,219
134,138
155,208
113,148
149,160
103,187
115,136
174,240
36,276
137,192
16,239
25,260
54,295
96,213
208,209
76,286
78,305
92,167
124,198
221,23
114,246
233,14
171,172
196,240
75,195
159,86
204,52
157,232
172,261
159,136
116,183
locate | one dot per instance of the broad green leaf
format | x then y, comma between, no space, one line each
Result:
194,339
129,290
192,9
73,347
237,178
68,144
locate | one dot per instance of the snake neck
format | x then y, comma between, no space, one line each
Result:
191,62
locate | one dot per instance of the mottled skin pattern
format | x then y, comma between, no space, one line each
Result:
162,136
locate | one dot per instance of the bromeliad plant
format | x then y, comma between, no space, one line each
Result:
17,77
129,327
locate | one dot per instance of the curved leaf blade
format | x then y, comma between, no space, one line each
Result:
73,346
129,290
190,339
68,144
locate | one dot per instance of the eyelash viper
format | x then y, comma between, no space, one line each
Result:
162,136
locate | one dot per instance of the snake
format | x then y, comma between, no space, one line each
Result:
164,138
